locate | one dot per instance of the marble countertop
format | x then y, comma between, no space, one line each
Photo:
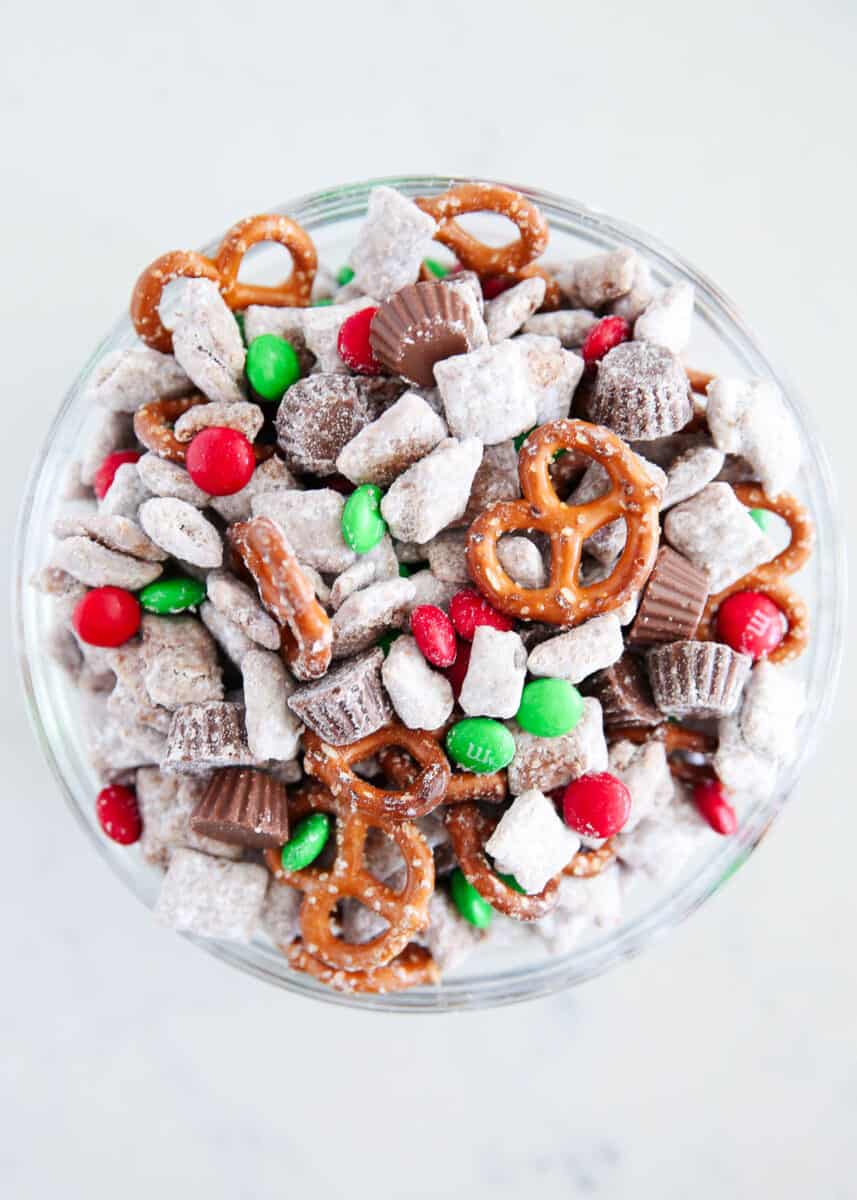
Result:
722,1062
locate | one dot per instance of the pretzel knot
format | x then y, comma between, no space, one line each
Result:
677,740
153,426
401,769
405,910
769,577
423,793
633,496
223,270
414,966
307,637
515,259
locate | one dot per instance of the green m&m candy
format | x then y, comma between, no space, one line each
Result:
272,366
522,437
344,275
467,900
172,595
323,302
480,744
437,269
362,523
511,881
387,638
762,518
307,842
549,707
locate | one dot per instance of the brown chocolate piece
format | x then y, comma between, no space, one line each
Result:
318,416
243,807
641,392
672,601
417,327
624,693
205,737
348,704
697,679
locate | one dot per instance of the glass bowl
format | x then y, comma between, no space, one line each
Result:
722,342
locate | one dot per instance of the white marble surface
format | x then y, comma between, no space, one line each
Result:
720,1064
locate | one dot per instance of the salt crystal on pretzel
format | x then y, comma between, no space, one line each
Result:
125,379
593,281
114,431
207,342
393,241
232,641
270,476
114,532
96,566
182,531
495,675
166,803
434,492
378,563
570,326
312,523
160,477
553,762
575,655
661,845
211,897
317,418
552,373
531,842
421,697
240,603
348,703
247,418
447,556
206,737
667,318
180,660
635,301
487,393
717,534
641,392
689,473
750,418
273,731
645,772
401,436
368,613
505,314
522,561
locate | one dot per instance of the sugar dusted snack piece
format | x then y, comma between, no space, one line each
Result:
211,897
182,531
585,906
773,703
312,332
531,842
129,698
450,939
312,523
591,282
591,647
662,845
205,737
378,563
667,318
690,471
433,493
522,561
420,325
115,431
401,436
421,697
241,604
428,589
507,312
624,693
697,679
247,418
273,730
207,342
486,394
166,803
243,807
570,326
641,392
111,530
393,241
547,763
280,916
368,613
232,641
160,477
126,379
715,532
270,476
552,373
125,494
348,703
495,676
672,601
447,557
96,566
180,661
608,542
749,418
636,301
496,479
645,772
318,416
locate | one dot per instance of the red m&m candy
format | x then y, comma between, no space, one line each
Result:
596,805
713,804
106,472
455,674
602,337
494,285
751,623
434,634
220,460
118,814
469,610
353,344
106,616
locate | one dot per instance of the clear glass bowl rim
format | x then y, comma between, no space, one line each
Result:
329,206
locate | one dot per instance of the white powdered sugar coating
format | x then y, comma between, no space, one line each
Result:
270,476
393,241
110,530
207,342
240,603
447,557
96,566
273,730
486,393
126,379
690,471
125,494
115,431
160,477
553,762
495,675
166,803
312,523
378,563
433,492
531,842
591,282
750,418
575,655
182,531
667,318
645,772
570,326
211,897
552,374
507,312
247,418
368,613
522,561
180,661
401,436
422,697
715,532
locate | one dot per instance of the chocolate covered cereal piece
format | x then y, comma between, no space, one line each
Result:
207,342
378,563
495,675
180,660
273,730
270,476
232,641
393,241
522,561
645,772
661,845
496,479
667,318
312,523
447,556
579,653
450,939
434,492
96,566
240,603
126,379
280,917
125,494
211,897
773,703
750,418
160,477
569,325
531,842
593,281
505,314
368,613
247,418
110,530
690,471
421,697
348,703
552,374
182,531
401,436
486,394
547,763
115,431
428,589
715,532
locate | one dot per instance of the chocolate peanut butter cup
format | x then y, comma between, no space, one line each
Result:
697,679
624,694
672,601
420,325
349,703
641,392
244,807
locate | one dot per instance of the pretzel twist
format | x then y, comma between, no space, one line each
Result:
414,966
307,636
154,422
405,910
769,578
633,495
223,270
400,768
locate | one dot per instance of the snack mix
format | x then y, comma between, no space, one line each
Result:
413,602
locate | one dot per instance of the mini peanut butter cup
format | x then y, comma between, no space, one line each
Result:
418,326
348,703
641,392
672,602
244,807
624,694
697,679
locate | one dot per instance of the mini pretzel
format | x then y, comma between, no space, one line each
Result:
698,380
586,864
413,967
332,765
399,767
307,637
223,270
405,910
515,259
153,426
769,577
469,829
633,495
676,738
